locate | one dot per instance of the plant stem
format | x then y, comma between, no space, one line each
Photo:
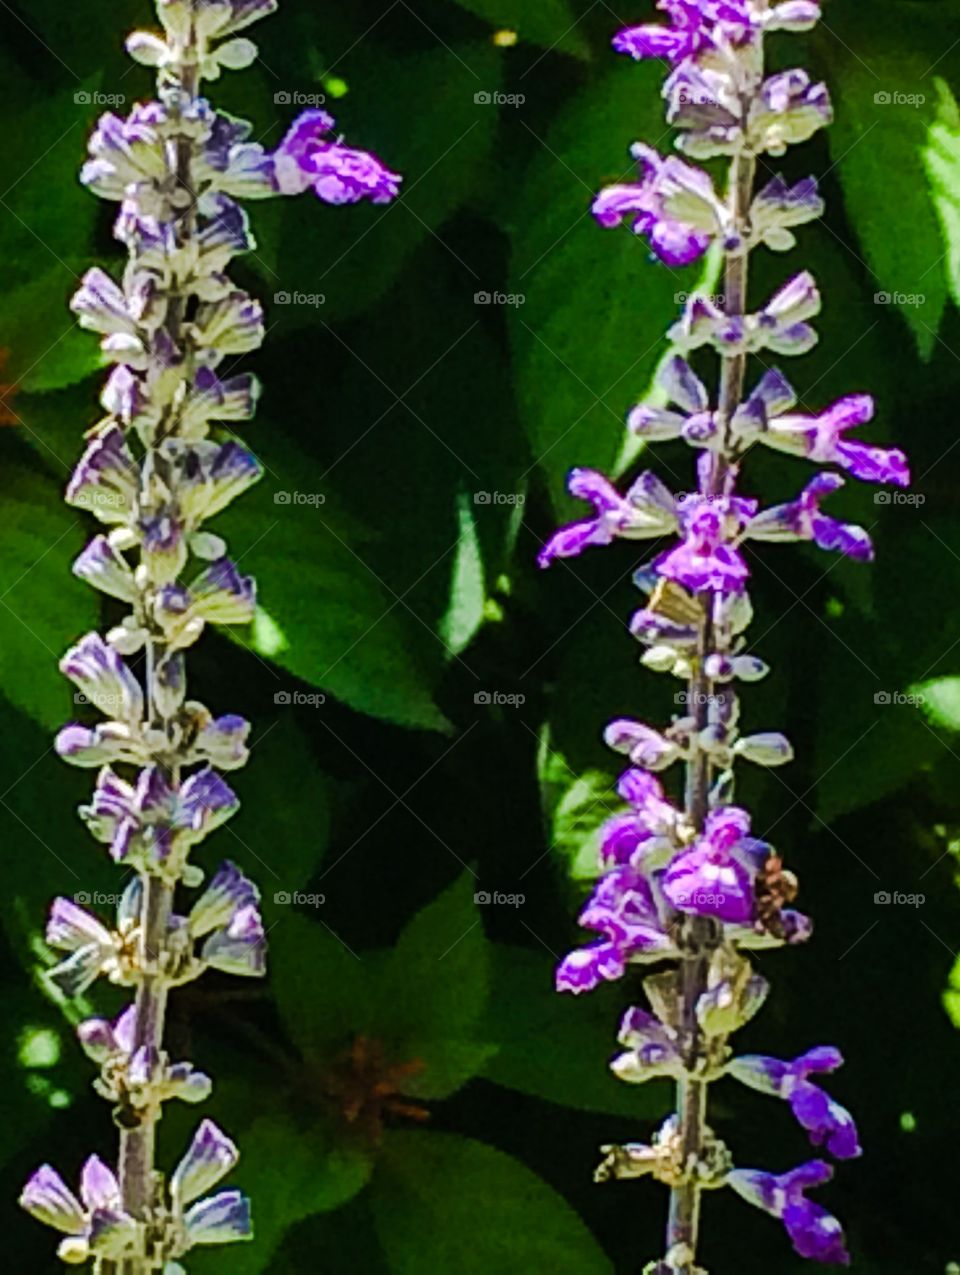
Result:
700,934
138,1179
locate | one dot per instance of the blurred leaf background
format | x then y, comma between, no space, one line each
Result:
408,1093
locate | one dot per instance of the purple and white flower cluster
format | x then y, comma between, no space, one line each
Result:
687,886
156,469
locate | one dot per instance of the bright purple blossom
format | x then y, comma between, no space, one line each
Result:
623,909
673,204
648,509
827,1123
309,158
822,439
708,557
694,25
802,519
715,877
814,1232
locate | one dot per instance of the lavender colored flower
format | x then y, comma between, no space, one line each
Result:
647,510
309,159
814,1232
674,205
694,27
708,557
716,876
827,1123
802,519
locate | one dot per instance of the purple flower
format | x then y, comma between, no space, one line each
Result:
814,1232
106,480
681,386
308,158
222,742
227,893
715,876
822,439
106,569
97,1226
674,205
708,557
651,1049
827,1123
647,510
220,1219
209,1158
623,909
240,947
695,25
790,108
645,747
104,679
633,837
801,519
221,595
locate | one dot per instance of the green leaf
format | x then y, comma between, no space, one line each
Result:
447,1203
39,538
49,350
878,134
590,335
322,989
942,159
553,1045
289,1175
468,594
433,992
575,807
551,24
327,616
939,700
